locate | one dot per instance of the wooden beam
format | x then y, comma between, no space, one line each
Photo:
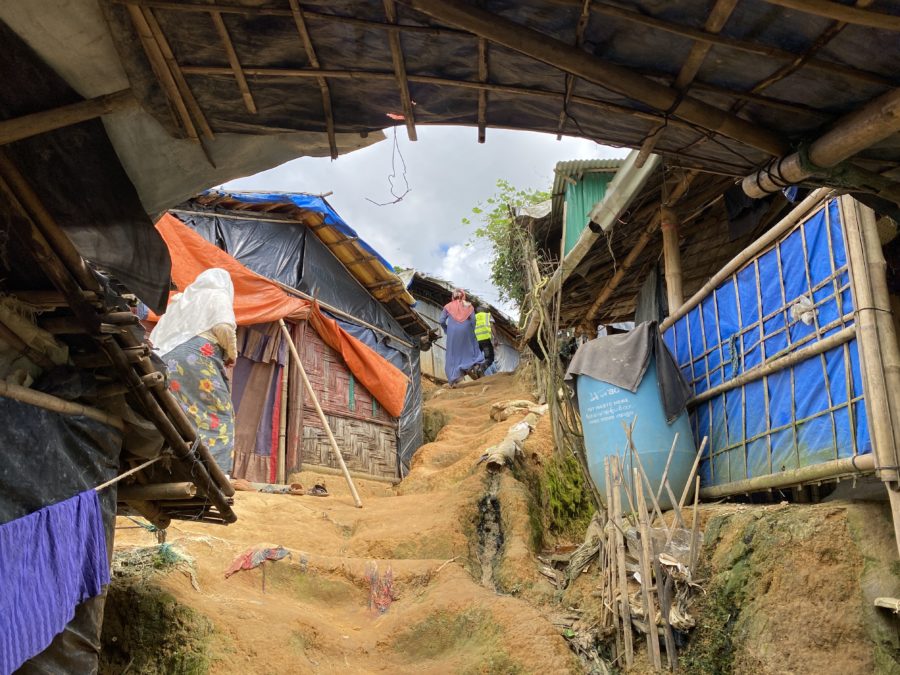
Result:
390,11
161,70
612,76
583,20
16,129
361,75
188,7
677,193
716,21
482,93
181,84
300,21
839,12
222,30
747,46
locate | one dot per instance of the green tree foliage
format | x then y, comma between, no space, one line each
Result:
498,227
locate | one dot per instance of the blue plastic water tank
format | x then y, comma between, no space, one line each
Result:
604,408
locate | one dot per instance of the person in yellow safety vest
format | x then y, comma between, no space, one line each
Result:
484,335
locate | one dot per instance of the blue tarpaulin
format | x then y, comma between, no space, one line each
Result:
310,203
809,413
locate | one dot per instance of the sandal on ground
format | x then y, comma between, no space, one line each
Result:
318,490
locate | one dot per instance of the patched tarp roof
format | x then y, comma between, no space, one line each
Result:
767,79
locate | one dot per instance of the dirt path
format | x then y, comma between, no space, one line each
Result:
314,614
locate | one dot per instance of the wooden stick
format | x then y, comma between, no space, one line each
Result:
695,528
690,480
282,426
390,11
624,606
612,572
315,401
12,338
139,467
152,513
758,372
647,575
58,405
157,491
178,76
664,590
665,474
801,211
299,16
846,13
222,30
716,20
646,236
679,518
671,257
747,46
587,66
643,475
161,69
581,26
482,93
26,126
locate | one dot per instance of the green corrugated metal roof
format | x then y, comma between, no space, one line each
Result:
569,173
565,172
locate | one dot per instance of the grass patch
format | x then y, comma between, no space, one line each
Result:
309,586
568,502
147,631
472,637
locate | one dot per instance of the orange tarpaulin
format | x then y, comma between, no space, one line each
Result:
259,300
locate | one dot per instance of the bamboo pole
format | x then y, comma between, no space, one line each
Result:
799,212
315,401
58,405
665,473
690,480
877,120
671,257
875,381
847,466
757,372
612,572
157,491
27,126
282,426
846,13
624,606
639,246
647,574
587,66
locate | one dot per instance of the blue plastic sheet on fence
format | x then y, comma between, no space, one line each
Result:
807,414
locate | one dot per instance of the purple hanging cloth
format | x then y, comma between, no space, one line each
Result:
50,561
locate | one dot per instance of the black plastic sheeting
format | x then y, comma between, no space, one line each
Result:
289,254
49,457
104,218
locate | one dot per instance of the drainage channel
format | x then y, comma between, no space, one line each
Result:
490,532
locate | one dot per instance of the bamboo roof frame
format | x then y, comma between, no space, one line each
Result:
661,104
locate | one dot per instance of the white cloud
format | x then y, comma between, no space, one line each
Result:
448,173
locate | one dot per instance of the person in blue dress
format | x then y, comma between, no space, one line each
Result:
463,357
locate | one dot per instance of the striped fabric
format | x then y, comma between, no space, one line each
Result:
50,561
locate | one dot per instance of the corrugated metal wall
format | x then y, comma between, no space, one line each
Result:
580,199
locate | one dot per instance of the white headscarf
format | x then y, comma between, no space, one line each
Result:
203,304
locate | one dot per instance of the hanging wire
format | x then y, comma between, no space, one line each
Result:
395,155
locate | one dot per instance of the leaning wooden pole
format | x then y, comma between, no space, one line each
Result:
315,401
671,257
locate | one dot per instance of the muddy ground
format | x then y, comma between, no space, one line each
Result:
787,588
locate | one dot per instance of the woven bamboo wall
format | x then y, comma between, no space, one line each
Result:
366,434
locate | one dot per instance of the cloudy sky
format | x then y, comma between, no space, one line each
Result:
448,173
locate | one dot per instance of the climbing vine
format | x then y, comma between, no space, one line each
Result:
498,227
